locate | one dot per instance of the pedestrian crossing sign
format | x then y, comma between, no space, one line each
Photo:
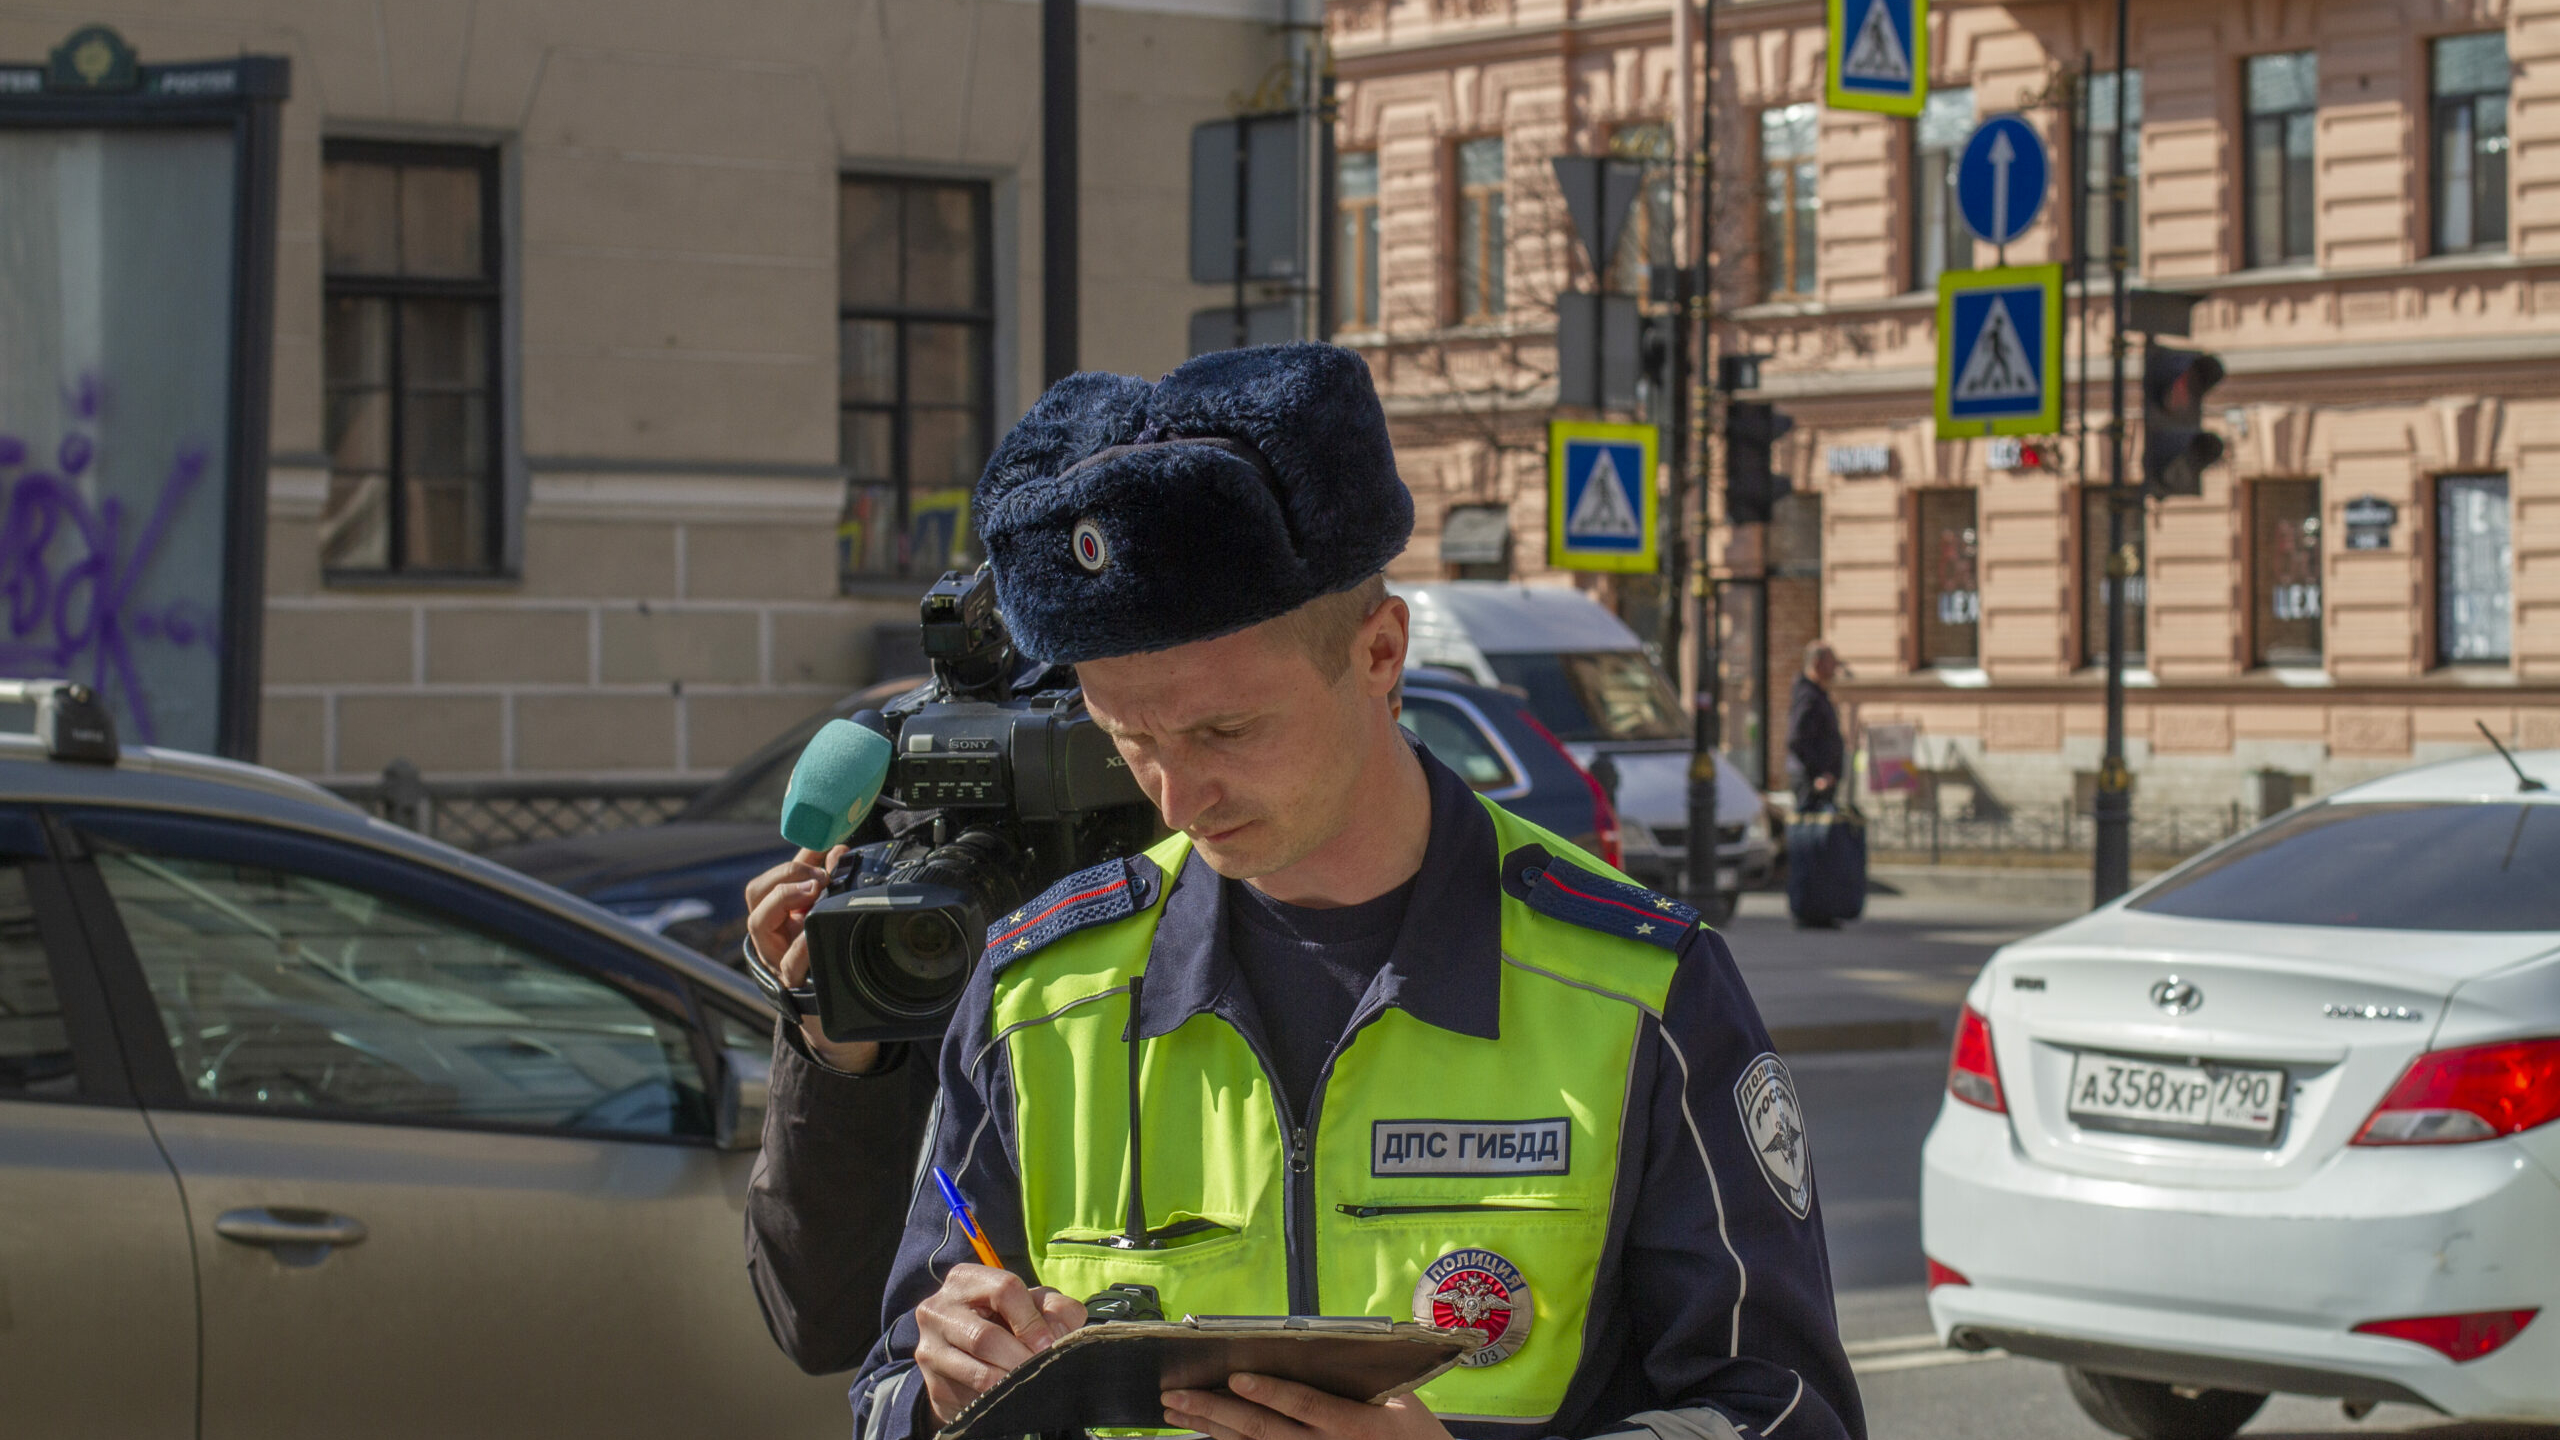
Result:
1601,507
1876,56
2000,352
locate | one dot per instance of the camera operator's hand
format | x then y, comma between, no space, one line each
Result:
778,904
980,1325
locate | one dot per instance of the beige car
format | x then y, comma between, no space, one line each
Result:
310,1127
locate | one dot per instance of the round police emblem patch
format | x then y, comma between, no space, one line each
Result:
1091,551
1477,1289
1773,1121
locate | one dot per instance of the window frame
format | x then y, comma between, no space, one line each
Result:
901,410
489,290
2093,578
1359,298
2098,122
2439,107
573,947
2286,255
1649,239
1492,273
2439,536
1777,280
2261,591
1925,596
1958,237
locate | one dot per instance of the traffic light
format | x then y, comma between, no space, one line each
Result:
2175,447
1751,487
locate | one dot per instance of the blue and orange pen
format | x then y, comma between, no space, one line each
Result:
968,1221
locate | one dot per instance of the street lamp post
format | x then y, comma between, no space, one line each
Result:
2114,848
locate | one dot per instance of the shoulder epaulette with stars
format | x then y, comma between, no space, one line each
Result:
1576,896
1096,895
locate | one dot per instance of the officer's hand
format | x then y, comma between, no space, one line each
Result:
778,904
978,1326
1263,1408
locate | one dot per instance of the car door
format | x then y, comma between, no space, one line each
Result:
97,1287
447,1158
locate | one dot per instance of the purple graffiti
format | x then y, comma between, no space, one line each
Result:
76,610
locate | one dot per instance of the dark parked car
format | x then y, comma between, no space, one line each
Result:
686,879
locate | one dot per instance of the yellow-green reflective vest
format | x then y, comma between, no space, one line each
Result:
1386,1197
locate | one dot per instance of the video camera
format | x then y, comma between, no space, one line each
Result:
999,786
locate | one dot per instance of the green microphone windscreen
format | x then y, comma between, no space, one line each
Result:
833,784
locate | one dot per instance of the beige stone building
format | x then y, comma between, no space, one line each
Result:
2365,194
632,360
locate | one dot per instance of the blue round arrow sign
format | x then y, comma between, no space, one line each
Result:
2001,180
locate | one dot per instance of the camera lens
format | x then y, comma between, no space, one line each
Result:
911,965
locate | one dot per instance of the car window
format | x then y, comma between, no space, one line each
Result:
1595,695
752,793
1455,738
35,1045
2410,866
282,990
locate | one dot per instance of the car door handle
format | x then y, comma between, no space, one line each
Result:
288,1227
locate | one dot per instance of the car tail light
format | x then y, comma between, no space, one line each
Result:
2478,1092
1973,1074
1944,1275
2456,1337
1604,816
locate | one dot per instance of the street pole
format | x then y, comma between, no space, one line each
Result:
1707,706
2114,848
1058,267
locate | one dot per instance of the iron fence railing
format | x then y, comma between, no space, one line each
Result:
481,815
2059,829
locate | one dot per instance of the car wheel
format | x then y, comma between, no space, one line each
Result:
2153,1410
1719,908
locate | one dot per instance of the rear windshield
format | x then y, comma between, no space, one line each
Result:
1595,695
2384,867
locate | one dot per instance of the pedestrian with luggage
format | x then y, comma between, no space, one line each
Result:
1827,844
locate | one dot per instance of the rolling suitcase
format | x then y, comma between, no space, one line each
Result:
1827,865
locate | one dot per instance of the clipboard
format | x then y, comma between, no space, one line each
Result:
1114,1374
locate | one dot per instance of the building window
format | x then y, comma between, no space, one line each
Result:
2470,84
1939,240
1789,200
2284,100
916,335
2284,527
1950,592
409,334
2475,563
2095,583
1481,230
2101,133
1643,264
1355,252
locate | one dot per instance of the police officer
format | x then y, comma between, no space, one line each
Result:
1397,1051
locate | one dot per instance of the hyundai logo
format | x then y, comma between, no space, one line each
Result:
2178,997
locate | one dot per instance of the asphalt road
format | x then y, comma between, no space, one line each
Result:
1868,1110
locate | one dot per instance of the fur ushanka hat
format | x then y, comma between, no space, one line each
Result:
1123,517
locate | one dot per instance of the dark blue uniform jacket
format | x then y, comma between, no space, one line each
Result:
1714,1304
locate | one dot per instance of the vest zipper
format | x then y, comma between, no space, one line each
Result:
1162,1232
1372,1212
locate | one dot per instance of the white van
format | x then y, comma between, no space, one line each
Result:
1587,678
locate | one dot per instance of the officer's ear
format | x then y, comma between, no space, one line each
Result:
1379,651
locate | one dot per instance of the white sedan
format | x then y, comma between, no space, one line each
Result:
2280,1120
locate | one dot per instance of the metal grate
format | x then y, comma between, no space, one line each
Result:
479,815
1923,831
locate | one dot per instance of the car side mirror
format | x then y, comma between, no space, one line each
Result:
745,1086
